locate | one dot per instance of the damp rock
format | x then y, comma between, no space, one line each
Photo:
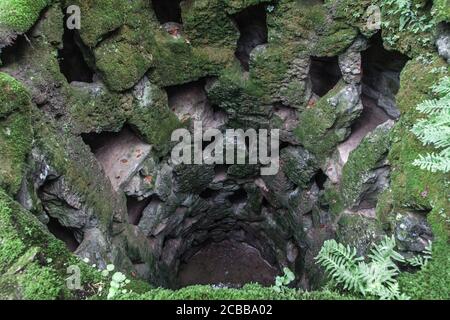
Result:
443,42
412,232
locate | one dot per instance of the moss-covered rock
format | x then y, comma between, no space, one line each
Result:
13,95
178,62
94,109
411,186
100,18
324,125
298,165
240,98
32,262
20,15
442,10
234,6
122,60
359,231
354,13
359,174
16,134
207,23
152,116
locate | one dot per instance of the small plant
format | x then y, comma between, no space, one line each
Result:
410,18
281,282
375,278
117,283
435,130
421,261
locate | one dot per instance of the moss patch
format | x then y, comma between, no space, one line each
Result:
20,15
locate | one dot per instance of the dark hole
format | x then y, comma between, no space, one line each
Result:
381,74
325,74
63,233
265,203
15,52
135,209
71,61
167,10
252,26
97,140
208,193
240,196
320,178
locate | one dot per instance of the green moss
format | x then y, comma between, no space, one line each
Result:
207,23
41,283
352,12
33,263
320,127
178,62
433,282
99,18
269,69
248,292
123,60
442,10
241,98
333,199
13,95
293,21
416,189
411,186
16,133
336,40
98,111
155,121
234,6
363,160
16,137
20,15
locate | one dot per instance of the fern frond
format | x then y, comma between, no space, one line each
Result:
434,162
376,278
385,252
434,106
340,262
443,87
433,132
422,260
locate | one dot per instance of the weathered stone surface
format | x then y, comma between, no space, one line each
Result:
366,173
122,157
443,43
350,62
328,122
298,165
412,232
359,230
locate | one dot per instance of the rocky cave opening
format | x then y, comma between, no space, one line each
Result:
63,233
252,26
72,63
167,11
324,74
381,75
225,224
380,80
